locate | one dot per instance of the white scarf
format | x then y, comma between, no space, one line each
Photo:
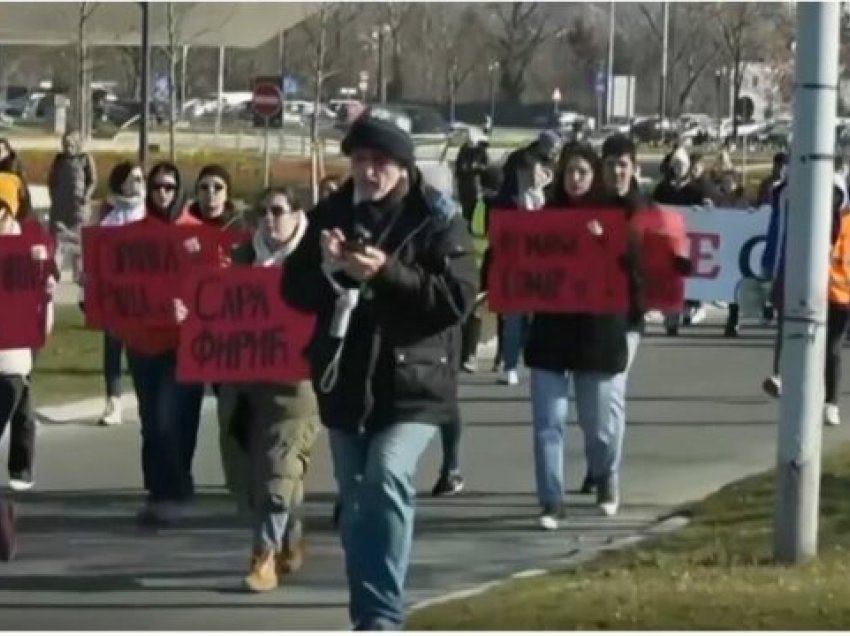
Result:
124,210
267,256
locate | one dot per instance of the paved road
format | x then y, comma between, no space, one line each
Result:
697,420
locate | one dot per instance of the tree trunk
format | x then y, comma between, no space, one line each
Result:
317,101
172,84
83,89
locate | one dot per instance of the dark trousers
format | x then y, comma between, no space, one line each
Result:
16,410
112,352
470,337
450,442
170,414
837,320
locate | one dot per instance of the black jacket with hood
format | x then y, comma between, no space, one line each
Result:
174,211
398,360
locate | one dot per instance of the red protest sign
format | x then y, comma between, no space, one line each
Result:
240,330
134,272
661,237
558,261
23,275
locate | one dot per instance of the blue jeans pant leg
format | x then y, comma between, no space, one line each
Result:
514,334
155,384
593,404
618,400
378,529
112,352
549,405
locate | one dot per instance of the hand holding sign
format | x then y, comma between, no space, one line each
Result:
23,281
558,261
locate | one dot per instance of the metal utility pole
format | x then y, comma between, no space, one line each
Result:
809,224
612,17
665,34
281,56
144,115
382,72
219,92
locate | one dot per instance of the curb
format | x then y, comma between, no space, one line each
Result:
575,557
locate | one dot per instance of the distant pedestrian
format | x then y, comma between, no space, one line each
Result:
71,182
472,160
125,203
327,186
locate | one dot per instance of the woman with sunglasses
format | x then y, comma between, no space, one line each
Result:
267,430
125,204
168,436
212,205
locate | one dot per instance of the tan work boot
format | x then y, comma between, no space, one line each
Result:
263,576
290,559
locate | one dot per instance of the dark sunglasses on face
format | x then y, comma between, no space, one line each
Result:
167,187
209,187
277,211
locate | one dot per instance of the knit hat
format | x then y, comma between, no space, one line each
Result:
216,170
119,175
10,191
548,141
372,131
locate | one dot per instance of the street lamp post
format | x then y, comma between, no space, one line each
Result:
145,86
718,81
379,36
492,69
556,102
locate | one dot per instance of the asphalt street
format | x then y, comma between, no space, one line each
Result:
697,420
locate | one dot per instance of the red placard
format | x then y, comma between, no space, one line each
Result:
240,330
661,237
133,273
23,276
558,261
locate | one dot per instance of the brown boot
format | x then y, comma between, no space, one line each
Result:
262,577
291,558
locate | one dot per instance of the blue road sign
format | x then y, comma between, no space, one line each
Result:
290,85
600,84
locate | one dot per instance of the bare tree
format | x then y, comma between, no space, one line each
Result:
520,30
396,15
172,51
748,33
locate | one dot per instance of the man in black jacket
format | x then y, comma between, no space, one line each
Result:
470,164
388,268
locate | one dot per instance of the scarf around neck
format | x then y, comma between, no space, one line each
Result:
124,209
271,253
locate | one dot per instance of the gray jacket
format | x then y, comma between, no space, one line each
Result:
71,183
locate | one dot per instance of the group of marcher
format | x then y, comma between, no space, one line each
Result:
395,272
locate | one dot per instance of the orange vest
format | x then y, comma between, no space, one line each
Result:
839,263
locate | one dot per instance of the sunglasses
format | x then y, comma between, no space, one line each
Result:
277,211
216,186
168,187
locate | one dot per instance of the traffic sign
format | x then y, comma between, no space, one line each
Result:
601,84
266,100
289,85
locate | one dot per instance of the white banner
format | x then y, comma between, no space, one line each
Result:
726,245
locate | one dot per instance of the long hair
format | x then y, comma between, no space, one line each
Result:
556,195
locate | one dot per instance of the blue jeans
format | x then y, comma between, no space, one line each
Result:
376,480
515,329
602,433
112,351
165,427
618,398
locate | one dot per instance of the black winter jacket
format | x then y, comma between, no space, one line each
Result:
578,341
399,357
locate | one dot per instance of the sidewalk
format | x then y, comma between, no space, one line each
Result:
84,565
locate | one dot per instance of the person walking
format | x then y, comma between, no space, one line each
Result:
387,266
472,160
125,203
267,429
71,183
584,350
16,364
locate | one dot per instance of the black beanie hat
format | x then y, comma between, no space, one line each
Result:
216,170
377,133
119,175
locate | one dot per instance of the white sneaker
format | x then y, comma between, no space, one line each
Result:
831,416
548,522
773,386
21,484
511,378
112,413
699,315
609,508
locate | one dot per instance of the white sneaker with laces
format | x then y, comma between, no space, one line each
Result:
112,413
699,315
21,484
512,378
831,415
